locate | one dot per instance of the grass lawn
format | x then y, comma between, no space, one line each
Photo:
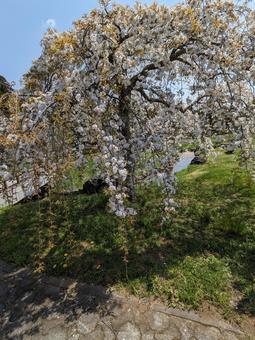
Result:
204,254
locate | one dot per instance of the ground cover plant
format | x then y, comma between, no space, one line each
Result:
204,254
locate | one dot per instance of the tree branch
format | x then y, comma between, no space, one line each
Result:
152,100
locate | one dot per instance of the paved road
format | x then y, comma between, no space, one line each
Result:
16,191
184,162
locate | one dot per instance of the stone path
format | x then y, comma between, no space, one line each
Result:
40,307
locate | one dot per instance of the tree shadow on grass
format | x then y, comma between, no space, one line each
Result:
77,237
247,304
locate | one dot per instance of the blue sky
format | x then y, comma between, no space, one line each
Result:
23,22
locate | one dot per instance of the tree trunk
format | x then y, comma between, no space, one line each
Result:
125,113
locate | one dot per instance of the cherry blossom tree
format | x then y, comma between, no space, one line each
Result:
129,85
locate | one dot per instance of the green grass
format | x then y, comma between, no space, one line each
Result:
204,254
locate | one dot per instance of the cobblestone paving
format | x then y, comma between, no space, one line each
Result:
40,307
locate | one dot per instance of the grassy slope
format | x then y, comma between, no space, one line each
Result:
206,253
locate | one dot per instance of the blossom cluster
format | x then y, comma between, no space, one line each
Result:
128,86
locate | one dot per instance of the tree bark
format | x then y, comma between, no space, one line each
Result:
125,113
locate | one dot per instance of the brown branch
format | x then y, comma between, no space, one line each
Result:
152,100
183,110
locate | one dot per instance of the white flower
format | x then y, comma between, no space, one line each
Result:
123,173
78,97
12,137
112,188
114,170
